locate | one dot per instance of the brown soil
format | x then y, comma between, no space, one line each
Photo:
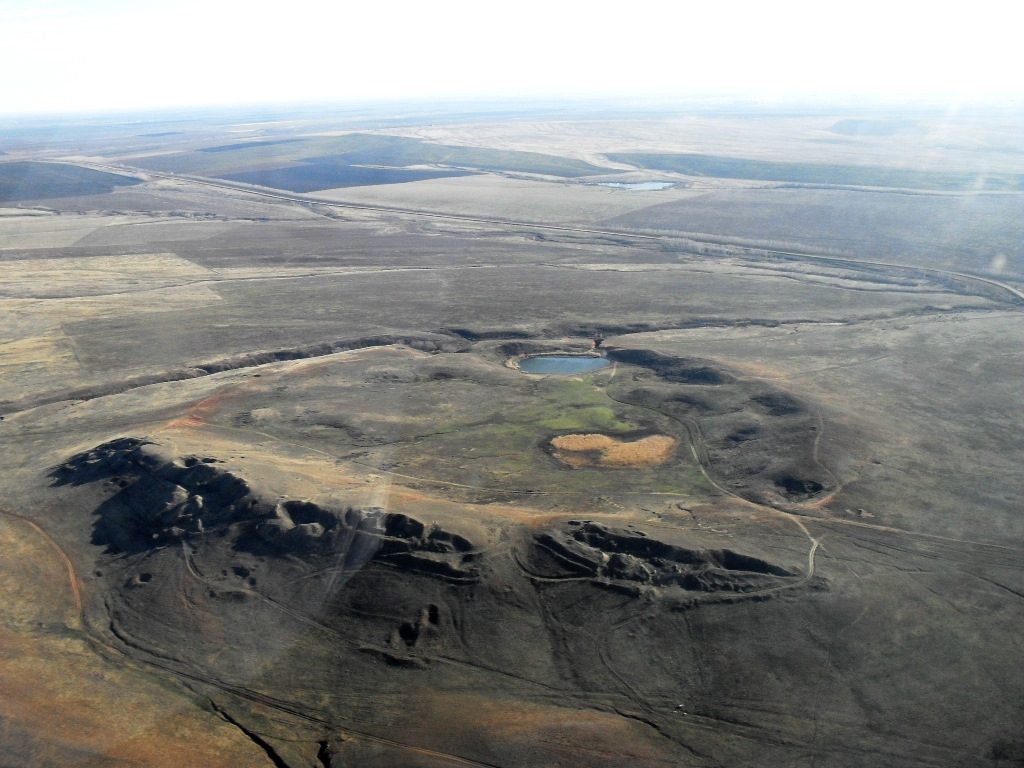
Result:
603,451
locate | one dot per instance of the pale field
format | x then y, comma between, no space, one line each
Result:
154,229
96,275
497,197
37,356
32,229
942,144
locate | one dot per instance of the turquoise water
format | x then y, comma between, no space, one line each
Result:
561,365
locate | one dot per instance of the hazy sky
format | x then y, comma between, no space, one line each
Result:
72,55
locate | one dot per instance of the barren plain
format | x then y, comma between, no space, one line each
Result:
274,490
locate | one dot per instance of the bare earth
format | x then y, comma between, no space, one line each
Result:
605,451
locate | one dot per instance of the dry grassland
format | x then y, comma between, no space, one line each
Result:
59,277
964,143
497,197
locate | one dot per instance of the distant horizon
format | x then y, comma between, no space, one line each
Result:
108,56
545,105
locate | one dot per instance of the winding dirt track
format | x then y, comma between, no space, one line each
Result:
76,586
693,438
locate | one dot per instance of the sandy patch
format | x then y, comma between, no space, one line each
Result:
604,451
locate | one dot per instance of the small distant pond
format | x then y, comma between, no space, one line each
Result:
551,364
642,186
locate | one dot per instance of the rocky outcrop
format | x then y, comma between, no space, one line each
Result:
588,549
156,502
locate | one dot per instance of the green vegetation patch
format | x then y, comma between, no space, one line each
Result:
505,447
587,419
572,405
814,173
362,149
401,151
247,145
319,175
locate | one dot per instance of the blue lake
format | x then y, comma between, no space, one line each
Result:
550,364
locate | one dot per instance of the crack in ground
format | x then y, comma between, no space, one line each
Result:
256,739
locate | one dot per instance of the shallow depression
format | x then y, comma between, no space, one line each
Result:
561,365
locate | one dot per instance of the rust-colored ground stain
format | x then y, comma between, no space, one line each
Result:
595,450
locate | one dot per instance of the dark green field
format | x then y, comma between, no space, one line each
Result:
362,149
815,173
328,174
21,181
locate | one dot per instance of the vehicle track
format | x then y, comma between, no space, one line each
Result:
279,705
76,587
693,439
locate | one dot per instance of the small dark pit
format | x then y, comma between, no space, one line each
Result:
409,633
743,434
795,486
778,404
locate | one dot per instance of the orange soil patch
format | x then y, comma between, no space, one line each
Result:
198,413
604,451
62,703
65,705
474,726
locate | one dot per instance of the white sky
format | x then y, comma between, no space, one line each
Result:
73,55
